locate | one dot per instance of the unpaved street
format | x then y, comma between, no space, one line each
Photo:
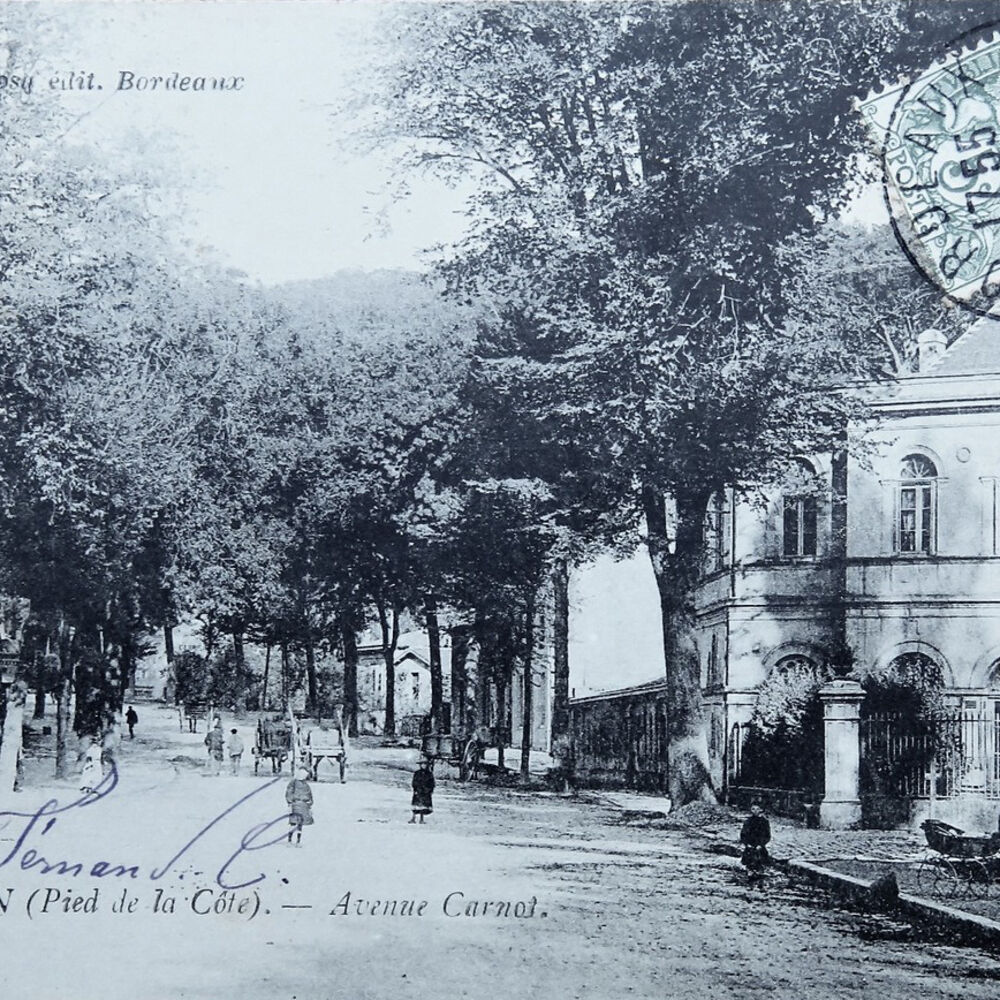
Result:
608,910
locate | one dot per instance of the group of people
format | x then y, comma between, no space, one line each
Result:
219,748
101,751
298,794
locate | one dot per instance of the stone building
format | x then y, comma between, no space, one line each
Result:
895,550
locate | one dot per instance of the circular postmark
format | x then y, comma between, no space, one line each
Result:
940,152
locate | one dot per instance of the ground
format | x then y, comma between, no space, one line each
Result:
618,910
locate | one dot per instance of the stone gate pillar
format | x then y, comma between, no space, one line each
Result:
841,806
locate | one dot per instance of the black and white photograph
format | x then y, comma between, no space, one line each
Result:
499,498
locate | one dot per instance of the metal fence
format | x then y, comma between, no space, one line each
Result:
620,738
939,757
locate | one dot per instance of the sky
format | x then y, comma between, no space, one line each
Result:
277,185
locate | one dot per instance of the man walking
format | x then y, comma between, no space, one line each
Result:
132,718
216,741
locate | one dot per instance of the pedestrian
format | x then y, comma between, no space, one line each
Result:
215,740
299,797
235,751
93,771
423,791
755,836
132,718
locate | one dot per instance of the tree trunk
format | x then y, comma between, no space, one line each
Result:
168,641
126,668
676,573
284,674
313,688
208,635
349,639
560,652
434,640
267,673
239,655
64,697
501,726
390,636
10,740
459,681
526,697
39,711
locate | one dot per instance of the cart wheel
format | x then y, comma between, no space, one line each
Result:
978,880
949,883
927,876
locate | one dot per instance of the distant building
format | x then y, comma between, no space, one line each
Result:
484,707
412,668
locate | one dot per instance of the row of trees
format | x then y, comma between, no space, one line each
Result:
653,230
634,321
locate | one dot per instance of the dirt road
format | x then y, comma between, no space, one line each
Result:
500,893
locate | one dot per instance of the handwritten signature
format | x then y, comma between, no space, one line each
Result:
38,823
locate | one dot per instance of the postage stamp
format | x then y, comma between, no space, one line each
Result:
939,140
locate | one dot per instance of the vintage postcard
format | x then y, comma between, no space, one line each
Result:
499,497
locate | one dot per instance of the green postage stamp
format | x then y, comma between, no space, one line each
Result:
939,139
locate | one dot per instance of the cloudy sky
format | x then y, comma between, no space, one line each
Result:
278,187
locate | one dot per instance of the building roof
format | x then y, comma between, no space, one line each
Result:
976,352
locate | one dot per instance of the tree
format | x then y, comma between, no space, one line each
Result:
637,170
855,279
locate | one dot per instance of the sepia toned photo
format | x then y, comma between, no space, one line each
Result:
499,498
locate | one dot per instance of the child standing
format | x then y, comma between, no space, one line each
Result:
423,791
755,836
299,797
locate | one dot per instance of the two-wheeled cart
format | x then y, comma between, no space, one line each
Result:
462,752
327,743
963,865
273,742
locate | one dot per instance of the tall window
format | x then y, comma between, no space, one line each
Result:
916,504
716,530
799,515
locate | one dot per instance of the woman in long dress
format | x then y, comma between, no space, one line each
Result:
93,772
422,802
299,797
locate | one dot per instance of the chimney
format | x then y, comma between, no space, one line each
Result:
931,344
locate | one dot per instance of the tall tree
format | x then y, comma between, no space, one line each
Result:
637,168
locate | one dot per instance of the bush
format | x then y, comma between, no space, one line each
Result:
783,747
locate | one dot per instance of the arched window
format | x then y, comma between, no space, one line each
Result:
717,526
798,525
917,516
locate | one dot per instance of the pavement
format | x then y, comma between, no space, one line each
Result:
533,893
846,863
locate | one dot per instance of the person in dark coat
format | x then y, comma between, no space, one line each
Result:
423,791
215,740
755,836
132,718
299,797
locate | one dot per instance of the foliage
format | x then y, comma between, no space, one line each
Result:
784,744
911,688
193,677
